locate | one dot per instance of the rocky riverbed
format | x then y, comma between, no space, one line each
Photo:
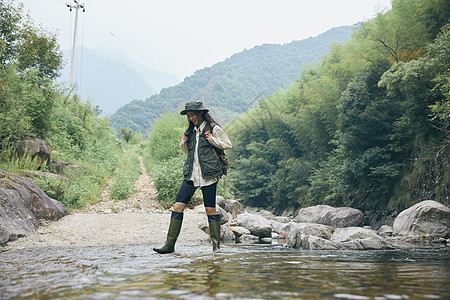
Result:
142,220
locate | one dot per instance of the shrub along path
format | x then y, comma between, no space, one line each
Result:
144,200
140,219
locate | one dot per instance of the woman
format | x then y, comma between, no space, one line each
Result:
201,169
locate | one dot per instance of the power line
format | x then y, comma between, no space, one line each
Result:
122,42
77,7
82,54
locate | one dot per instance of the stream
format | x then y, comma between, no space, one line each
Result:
237,271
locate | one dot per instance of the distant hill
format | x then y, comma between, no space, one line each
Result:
231,87
110,79
158,80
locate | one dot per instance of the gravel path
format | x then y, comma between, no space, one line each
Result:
140,219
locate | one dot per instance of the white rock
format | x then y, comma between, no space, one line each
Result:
428,218
257,225
357,238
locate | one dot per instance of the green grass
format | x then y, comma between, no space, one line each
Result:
129,172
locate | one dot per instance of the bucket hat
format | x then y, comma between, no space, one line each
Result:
193,106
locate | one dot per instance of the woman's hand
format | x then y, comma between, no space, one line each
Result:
185,138
207,135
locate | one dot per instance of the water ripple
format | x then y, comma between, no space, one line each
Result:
235,272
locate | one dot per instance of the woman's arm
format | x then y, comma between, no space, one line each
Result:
218,138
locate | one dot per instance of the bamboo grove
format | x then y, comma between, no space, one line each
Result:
368,127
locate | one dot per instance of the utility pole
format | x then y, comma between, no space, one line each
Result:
77,6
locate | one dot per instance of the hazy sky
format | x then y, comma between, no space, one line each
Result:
181,36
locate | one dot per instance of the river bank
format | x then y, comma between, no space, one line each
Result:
96,229
140,219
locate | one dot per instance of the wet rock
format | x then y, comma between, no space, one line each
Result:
321,237
331,216
427,218
22,204
298,233
312,242
357,238
239,231
248,238
266,240
257,225
284,229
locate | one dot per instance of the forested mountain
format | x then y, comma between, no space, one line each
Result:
109,79
231,87
368,127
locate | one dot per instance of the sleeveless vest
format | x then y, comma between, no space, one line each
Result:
209,165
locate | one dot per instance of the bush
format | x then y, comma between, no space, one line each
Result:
168,176
129,172
165,136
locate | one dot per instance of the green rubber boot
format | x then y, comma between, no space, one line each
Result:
174,230
214,230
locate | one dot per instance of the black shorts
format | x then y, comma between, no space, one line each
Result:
188,189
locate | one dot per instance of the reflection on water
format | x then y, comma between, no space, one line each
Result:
236,272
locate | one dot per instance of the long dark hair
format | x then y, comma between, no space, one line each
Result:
209,121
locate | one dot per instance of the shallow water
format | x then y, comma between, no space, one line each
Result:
236,272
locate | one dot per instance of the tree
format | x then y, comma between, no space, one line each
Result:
126,134
439,54
29,59
25,45
399,34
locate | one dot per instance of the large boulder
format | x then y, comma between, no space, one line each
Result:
257,225
331,216
287,228
22,204
16,220
299,234
64,168
36,148
357,238
427,218
321,237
